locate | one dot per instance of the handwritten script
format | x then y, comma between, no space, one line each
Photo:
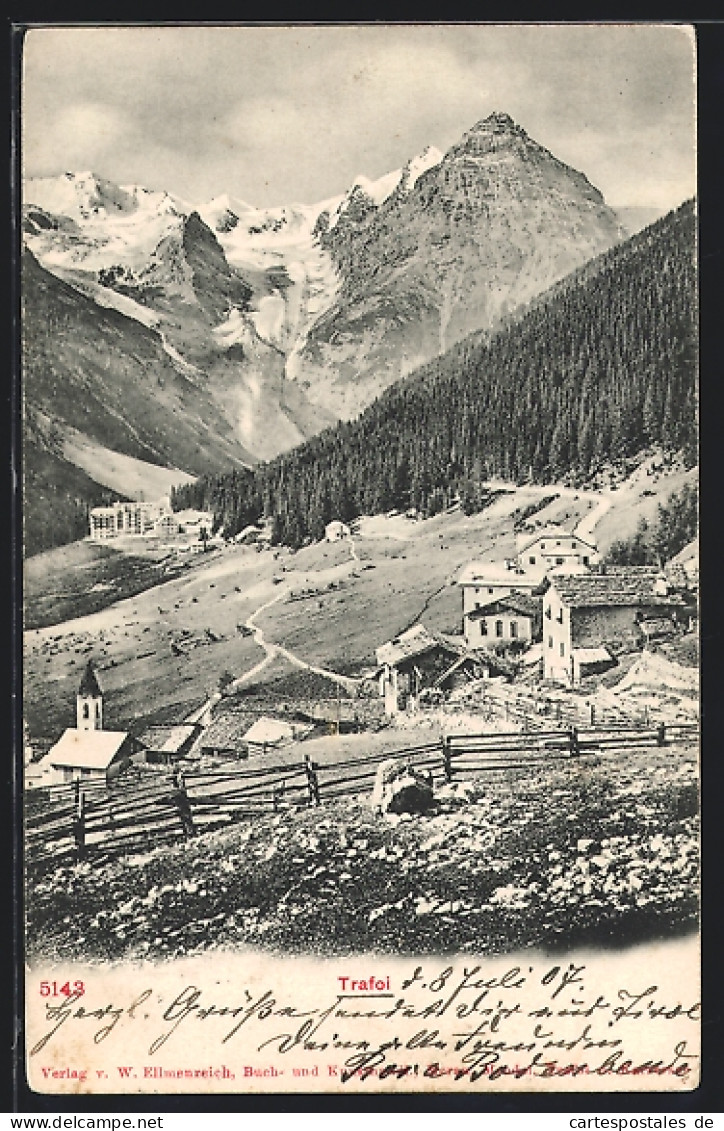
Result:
461,1021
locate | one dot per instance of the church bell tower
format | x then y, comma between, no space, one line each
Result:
89,703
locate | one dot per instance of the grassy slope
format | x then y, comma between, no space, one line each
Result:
412,579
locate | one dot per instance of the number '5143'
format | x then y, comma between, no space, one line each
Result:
54,989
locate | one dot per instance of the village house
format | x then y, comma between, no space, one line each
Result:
588,617
192,522
483,582
166,526
87,750
410,663
239,734
513,619
165,744
552,548
223,737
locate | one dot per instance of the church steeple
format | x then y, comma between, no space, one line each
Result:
89,702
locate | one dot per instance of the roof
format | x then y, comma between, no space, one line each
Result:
225,733
89,684
592,655
494,573
86,749
520,603
414,642
478,658
266,730
624,585
167,739
190,517
568,567
550,532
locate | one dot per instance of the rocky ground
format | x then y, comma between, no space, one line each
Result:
598,854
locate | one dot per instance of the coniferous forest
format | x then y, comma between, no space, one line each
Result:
599,368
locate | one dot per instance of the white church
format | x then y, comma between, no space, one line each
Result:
86,750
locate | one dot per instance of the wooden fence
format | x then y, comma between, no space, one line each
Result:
68,823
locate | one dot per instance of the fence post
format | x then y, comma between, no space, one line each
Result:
79,822
312,780
661,734
446,758
183,805
277,794
573,739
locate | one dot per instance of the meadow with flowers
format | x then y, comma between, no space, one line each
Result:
594,853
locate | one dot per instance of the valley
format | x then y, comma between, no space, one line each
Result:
327,605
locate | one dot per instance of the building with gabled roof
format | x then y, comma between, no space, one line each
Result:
551,548
80,754
513,619
411,662
601,609
166,743
483,582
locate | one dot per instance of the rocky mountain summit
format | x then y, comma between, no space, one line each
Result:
492,224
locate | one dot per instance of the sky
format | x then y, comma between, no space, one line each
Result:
279,114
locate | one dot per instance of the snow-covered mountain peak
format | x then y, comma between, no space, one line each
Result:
87,198
427,159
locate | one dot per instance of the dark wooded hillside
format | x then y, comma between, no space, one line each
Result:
600,368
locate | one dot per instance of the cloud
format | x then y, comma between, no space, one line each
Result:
79,135
280,113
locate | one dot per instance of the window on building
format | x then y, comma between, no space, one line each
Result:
548,612
531,560
513,629
498,628
585,559
550,641
562,648
490,589
558,542
483,627
86,711
559,616
98,710
559,561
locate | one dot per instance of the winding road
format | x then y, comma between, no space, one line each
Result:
271,651
583,529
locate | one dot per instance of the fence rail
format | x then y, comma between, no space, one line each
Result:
73,821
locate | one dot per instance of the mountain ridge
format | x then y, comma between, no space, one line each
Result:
287,319
602,366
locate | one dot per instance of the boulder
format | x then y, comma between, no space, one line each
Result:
402,788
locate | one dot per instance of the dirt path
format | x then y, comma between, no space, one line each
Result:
585,527
271,651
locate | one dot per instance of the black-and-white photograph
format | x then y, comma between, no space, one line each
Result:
360,526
